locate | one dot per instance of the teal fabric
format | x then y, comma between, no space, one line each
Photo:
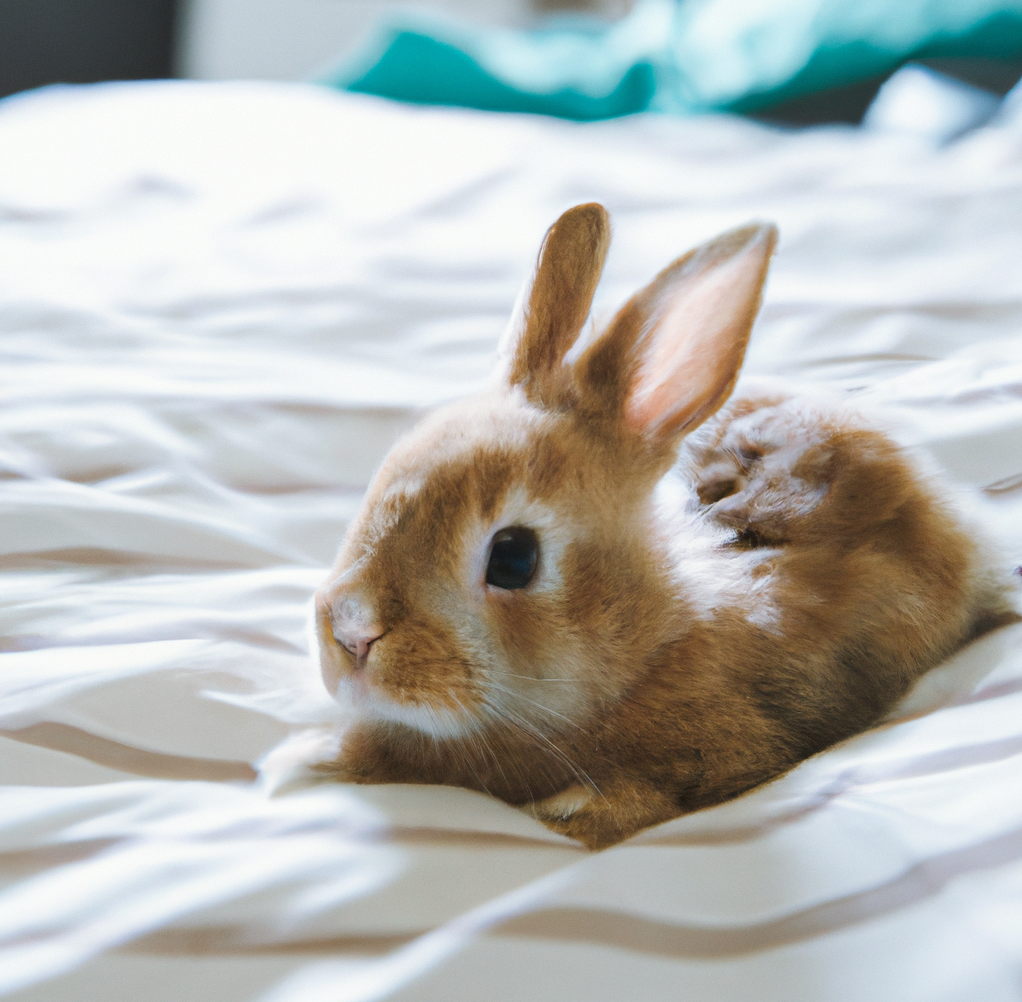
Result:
682,57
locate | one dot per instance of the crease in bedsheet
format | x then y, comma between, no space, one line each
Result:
127,876
30,680
525,913
294,860
681,941
128,758
640,934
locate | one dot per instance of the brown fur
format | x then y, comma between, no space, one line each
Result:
617,691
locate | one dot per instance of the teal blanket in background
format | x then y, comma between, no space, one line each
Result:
679,56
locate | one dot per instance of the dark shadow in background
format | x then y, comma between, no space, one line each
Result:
849,104
84,41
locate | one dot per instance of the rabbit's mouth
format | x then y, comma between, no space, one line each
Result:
371,702
356,689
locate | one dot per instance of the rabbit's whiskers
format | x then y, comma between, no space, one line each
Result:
533,678
517,695
477,742
537,737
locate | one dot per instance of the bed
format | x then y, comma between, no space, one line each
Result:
219,305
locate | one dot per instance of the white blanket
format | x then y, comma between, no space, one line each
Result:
219,304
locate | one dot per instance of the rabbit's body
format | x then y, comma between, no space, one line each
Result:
832,577
540,599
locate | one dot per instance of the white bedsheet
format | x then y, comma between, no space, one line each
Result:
219,304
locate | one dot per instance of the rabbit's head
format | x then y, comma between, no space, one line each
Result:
502,571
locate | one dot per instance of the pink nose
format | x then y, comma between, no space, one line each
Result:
350,619
357,641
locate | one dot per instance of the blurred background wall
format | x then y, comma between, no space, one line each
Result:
84,41
292,39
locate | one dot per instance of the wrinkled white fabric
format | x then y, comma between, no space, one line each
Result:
219,304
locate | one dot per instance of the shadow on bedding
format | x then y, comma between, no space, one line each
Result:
127,758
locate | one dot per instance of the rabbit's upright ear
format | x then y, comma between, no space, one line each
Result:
671,356
555,303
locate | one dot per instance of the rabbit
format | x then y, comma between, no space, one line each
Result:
605,594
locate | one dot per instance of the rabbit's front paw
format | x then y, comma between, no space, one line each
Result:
304,759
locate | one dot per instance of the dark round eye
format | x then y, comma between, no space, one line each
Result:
514,554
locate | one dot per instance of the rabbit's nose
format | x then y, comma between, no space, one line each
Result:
352,622
357,642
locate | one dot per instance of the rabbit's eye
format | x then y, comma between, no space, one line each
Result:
514,554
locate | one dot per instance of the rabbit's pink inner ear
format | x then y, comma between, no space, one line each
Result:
692,348
553,307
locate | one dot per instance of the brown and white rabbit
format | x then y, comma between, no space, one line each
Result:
547,596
